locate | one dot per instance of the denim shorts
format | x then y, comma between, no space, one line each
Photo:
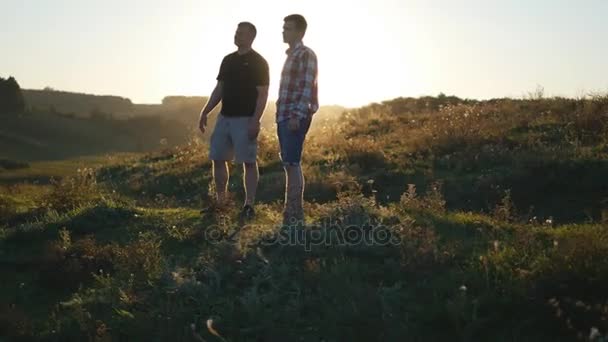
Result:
292,142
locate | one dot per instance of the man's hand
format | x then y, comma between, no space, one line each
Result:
202,124
254,128
293,124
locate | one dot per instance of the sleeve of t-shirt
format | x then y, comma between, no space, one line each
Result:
262,75
222,74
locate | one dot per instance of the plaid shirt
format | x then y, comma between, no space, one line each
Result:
298,89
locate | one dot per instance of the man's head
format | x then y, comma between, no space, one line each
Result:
294,28
245,34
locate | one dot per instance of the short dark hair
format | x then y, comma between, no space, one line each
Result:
299,20
250,26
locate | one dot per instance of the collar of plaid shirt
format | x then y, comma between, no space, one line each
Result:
293,49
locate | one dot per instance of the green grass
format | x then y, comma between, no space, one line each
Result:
497,225
41,172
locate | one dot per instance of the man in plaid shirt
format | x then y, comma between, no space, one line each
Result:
295,107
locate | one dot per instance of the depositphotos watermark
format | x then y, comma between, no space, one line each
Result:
326,234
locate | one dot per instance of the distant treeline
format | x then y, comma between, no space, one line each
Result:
11,96
48,100
76,104
58,124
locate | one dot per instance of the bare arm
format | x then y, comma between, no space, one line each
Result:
214,99
260,105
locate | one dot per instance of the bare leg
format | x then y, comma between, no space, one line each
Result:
251,175
294,192
221,176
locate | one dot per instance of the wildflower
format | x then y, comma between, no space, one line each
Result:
463,288
594,333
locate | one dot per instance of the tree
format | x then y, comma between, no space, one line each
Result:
11,97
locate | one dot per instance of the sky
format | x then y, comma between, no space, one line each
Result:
368,50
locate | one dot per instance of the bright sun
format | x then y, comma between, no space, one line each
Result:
360,61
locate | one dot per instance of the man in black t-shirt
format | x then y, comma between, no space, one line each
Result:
242,88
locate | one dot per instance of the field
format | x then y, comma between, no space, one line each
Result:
427,219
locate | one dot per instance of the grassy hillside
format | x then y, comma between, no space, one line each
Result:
427,219
44,172
187,109
181,108
74,125
46,136
75,103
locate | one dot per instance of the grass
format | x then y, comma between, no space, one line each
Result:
427,219
41,172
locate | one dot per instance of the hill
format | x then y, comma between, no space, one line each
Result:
75,103
63,125
48,136
427,219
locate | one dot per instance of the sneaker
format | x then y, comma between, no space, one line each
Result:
248,212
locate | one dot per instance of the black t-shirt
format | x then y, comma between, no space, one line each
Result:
241,75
